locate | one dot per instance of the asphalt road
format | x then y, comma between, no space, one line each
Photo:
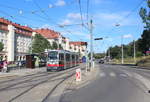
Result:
114,83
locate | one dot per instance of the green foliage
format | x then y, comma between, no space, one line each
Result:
99,55
54,45
145,15
60,47
40,44
144,43
1,46
115,52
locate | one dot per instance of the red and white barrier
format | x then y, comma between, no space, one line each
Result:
78,74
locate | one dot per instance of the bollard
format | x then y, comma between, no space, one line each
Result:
78,74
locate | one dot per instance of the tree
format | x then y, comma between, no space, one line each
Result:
54,45
145,15
1,46
99,55
40,44
60,47
144,43
115,52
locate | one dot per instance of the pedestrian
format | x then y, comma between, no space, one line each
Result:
5,66
19,64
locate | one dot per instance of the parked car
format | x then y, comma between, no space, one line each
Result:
101,61
21,63
1,65
42,63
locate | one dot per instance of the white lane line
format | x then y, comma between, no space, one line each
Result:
102,74
123,75
112,74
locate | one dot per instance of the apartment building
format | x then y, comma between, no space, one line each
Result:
16,40
54,36
78,46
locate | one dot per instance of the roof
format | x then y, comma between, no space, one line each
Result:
7,22
48,33
77,43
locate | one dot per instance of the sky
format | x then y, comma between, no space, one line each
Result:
64,16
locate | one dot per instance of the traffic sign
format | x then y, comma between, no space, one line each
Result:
78,74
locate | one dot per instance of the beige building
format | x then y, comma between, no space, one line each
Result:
16,40
54,36
79,47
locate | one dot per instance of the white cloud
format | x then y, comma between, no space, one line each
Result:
48,26
66,22
127,36
60,3
50,6
110,19
74,15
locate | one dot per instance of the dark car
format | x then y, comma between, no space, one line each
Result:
101,61
1,65
21,63
42,63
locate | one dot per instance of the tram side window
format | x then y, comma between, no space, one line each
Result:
73,58
61,56
77,58
67,57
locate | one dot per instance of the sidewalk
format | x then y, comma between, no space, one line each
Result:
22,72
71,84
86,77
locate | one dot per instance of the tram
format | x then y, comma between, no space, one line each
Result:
61,60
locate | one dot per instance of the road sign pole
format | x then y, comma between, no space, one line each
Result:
134,52
91,40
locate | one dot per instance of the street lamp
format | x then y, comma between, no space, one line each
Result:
98,39
122,55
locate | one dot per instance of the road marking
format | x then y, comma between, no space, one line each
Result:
123,75
102,74
112,74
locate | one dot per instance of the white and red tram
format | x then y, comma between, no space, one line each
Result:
61,59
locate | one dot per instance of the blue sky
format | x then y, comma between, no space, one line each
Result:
105,14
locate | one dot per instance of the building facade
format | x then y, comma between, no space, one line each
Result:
16,40
79,46
53,36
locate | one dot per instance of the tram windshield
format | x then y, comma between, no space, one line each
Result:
53,55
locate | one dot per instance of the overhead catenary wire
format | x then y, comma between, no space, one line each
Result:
128,15
80,9
87,15
38,15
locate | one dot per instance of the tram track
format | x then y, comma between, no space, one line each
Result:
42,82
22,77
50,78
54,88
47,75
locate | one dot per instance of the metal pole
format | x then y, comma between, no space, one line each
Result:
134,51
122,50
91,38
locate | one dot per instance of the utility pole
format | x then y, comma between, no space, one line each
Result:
91,41
122,61
134,51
